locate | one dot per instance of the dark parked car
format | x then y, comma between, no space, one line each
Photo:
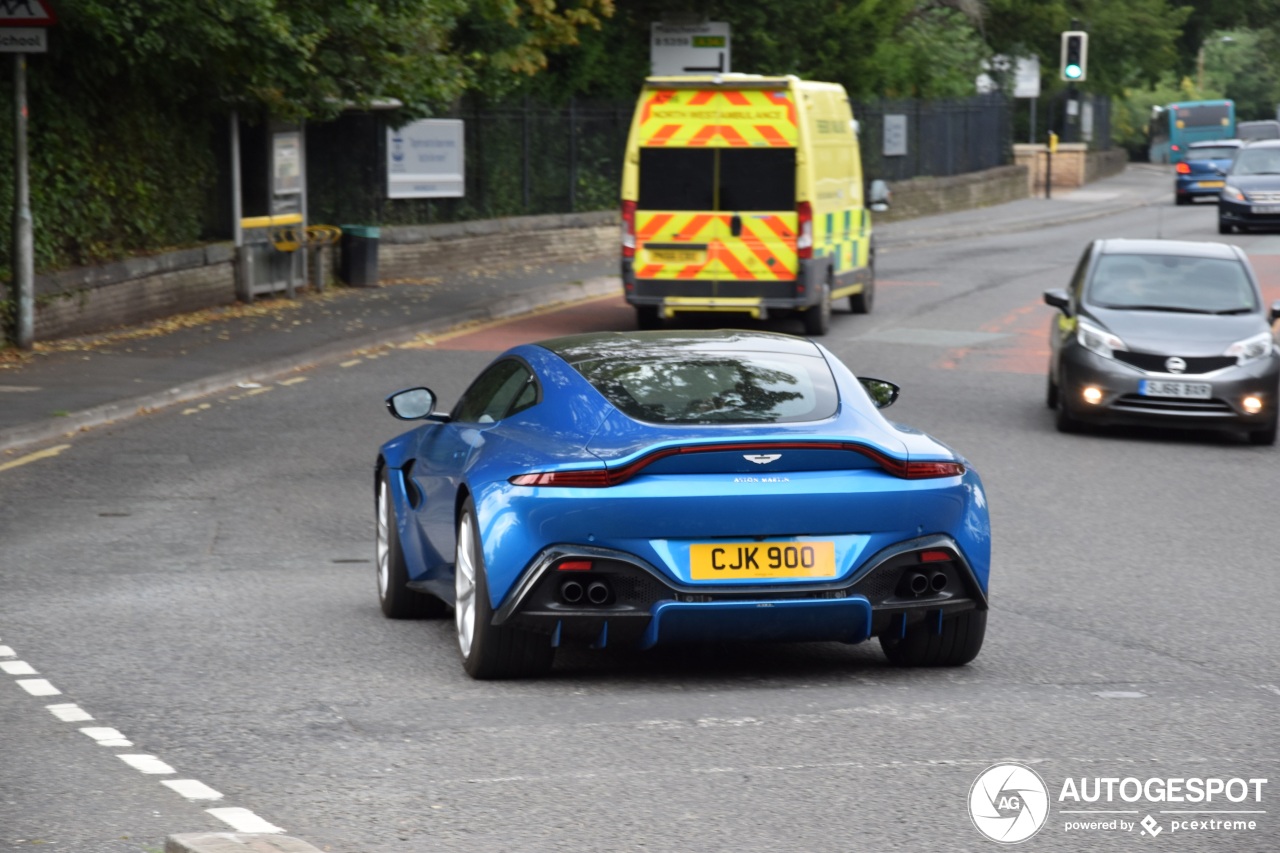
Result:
1251,197
1165,333
1200,174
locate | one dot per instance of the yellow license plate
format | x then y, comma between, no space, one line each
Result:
744,561
1212,183
675,256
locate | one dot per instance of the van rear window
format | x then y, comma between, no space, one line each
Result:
757,179
750,179
677,179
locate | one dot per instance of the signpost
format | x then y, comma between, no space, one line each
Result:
23,28
427,159
681,49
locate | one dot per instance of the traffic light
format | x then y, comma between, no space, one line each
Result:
1075,56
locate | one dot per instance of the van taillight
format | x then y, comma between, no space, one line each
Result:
804,230
1174,147
628,229
1182,169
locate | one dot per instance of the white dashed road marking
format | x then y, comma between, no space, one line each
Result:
241,820
192,789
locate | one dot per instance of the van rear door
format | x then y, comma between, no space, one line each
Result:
717,187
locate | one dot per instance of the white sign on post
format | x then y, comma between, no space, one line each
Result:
895,136
426,159
687,49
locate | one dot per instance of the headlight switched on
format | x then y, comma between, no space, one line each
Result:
1097,340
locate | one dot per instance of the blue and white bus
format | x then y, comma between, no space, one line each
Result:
1175,126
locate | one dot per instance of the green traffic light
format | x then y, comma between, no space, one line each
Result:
1072,71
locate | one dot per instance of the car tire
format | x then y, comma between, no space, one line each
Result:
1224,227
394,596
647,318
956,644
860,303
1051,393
1265,436
1181,199
817,320
1063,419
489,651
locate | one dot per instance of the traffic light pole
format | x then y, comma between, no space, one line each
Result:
23,231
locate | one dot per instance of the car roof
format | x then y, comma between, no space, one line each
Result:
1264,143
1185,248
1218,143
577,348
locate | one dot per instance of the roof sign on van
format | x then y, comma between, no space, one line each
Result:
717,118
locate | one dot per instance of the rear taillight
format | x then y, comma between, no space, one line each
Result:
1182,169
628,229
804,230
596,478
1175,147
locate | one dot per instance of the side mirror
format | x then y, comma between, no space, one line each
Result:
882,393
1058,299
412,404
879,195
1275,310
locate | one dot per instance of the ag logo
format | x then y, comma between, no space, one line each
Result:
1008,803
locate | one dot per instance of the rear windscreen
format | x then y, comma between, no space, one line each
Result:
749,179
1204,115
1215,153
677,179
757,179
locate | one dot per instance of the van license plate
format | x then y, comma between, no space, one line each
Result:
1186,390
675,256
746,561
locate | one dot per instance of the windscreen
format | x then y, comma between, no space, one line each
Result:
1257,161
1172,283
706,387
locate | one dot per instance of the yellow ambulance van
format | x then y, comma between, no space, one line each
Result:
743,193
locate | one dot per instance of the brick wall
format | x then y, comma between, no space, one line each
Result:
94,299
408,252
927,196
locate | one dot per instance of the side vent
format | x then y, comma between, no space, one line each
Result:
411,490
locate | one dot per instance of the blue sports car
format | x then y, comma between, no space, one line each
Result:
646,488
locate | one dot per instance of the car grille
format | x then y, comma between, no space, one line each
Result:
1171,405
1267,197
1155,363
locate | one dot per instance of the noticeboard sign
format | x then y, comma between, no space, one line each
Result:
895,136
689,49
426,159
24,40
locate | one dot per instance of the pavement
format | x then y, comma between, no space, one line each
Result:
71,385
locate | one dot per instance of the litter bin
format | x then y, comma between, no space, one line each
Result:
358,265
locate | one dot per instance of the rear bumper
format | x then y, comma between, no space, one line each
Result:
644,608
756,297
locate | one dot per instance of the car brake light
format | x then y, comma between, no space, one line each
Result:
597,478
1183,169
804,230
934,556
628,229
574,566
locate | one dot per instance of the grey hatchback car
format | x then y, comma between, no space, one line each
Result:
1164,333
